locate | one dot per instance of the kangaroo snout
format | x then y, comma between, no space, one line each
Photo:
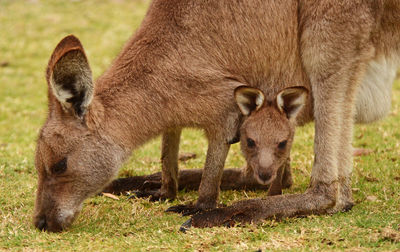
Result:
55,217
55,221
40,223
47,224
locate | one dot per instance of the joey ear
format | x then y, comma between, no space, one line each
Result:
291,101
249,99
69,77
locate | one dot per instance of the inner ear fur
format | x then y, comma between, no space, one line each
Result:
69,77
249,99
291,100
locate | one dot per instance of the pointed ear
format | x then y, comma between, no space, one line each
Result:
291,101
69,77
249,99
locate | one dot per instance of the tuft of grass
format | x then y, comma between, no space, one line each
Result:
30,31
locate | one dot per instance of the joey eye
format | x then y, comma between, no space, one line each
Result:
59,167
251,143
282,145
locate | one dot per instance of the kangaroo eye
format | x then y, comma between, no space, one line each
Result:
282,145
59,167
251,143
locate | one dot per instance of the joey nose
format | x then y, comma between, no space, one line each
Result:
41,224
265,176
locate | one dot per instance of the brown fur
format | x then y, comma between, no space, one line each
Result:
180,70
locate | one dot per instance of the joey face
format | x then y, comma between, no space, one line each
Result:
72,161
268,130
266,140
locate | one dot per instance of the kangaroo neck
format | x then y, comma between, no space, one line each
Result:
129,104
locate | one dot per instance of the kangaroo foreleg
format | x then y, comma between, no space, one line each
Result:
287,180
211,179
169,162
276,186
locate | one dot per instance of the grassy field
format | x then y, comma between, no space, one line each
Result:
29,32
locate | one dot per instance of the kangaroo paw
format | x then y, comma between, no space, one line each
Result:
154,195
226,216
242,212
151,185
123,185
185,210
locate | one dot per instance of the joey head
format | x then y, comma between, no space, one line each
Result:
267,132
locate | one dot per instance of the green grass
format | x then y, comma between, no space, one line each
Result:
29,32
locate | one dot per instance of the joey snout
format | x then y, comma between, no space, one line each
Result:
265,168
265,176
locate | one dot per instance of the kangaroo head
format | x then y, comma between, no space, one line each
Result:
72,160
267,132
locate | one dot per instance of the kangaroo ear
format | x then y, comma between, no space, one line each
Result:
69,77
249,99
291,101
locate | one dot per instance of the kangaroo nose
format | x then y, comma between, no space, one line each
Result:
265,176
41,224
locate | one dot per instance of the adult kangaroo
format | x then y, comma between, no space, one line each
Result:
261,127
180,69
342,44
